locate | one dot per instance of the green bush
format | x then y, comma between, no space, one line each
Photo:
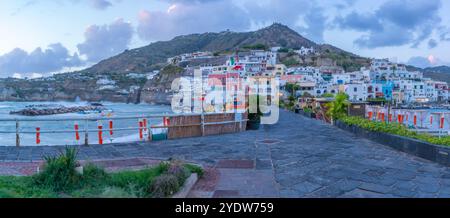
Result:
178,169
195,169
394,129
115,192
291,62
59,172
138,181
164,186
94,176
307,110
338,108
255,100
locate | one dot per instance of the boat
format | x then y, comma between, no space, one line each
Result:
96,104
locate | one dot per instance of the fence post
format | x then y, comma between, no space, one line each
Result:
203,123
86,132
17,134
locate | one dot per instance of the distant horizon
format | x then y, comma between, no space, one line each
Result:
414,32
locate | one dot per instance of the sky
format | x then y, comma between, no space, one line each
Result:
40,37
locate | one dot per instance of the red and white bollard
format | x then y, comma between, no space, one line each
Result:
166,121
77,132
111,127
38,135
370,115
145,124
100,134
141,130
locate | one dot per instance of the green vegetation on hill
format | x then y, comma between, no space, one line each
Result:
255,47
348,62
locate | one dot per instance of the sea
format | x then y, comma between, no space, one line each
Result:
114,110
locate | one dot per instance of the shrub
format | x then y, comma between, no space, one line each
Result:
115,192
138,181
164,186
394,129
338,108
59,172
177,169
307,110
94,176
255,100
195,169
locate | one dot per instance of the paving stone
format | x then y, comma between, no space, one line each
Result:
359,193
305,187
404,193
225,194
375,188
408,185
263,164
428,188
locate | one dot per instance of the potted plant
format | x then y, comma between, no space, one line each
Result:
254,119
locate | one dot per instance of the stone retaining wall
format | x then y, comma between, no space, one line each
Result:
435,153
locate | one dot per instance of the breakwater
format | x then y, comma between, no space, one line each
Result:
33,111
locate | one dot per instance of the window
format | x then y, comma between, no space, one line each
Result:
355,89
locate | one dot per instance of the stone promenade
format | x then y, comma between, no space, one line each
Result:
298,157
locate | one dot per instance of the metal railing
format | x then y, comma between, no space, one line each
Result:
143,128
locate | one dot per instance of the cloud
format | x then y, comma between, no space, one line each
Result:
198,16
105,41
54,58
24,6
100,4
432,43
424,62
184,18
394,23
444,34
301,15
360,22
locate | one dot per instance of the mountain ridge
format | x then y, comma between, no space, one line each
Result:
152,56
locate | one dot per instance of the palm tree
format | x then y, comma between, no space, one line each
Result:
338,108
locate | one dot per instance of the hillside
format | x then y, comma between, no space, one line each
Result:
440,73
153,56
440,69
123,78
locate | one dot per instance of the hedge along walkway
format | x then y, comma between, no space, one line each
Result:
298,157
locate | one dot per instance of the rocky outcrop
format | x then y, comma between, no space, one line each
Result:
158,90
59,110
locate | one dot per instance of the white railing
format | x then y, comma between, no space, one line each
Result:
143,127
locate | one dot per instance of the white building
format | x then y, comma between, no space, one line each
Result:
356,91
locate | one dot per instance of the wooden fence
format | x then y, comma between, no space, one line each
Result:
205,125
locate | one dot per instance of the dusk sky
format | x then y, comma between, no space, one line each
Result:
40,36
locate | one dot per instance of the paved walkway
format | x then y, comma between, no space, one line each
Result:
298,157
